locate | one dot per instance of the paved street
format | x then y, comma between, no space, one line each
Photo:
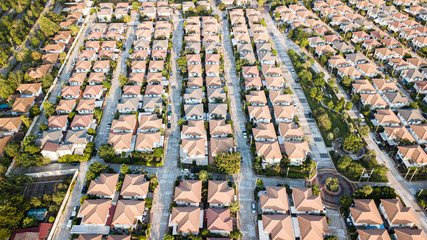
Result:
169,172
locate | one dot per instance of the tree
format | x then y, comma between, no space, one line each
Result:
348,105
364,130
106,152
330,136
324,121
123,79
346,201
48,27
222,6
136,5
36,56
363,192
11,149
330,104
228,163
124,169
352,143
47,80
49,108
260,2
234,207
29,222
332,184
259,183
74,29
95,169
315,189
168,237
347,81
51,219
42,127
26,120
203,175
35,111
344,162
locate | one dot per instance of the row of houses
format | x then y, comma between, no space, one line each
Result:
83,93
188,216
107,11
138,125
104,210
299,216
155,10
205,100
278,111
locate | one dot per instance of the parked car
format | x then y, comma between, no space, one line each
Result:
244,134
253,208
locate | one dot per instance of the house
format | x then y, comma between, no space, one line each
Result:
296,151
83,122
193,111
128,105
54,136
419,132
395,100
312,227
264,132
104,186
411,75
250,71
274,200
94,212
55,48
256,98
411,234
30,89
134,187
149,123
290,132
373,234
105,12
219,221
395,134
127,214
216,95
269,152
188,193
85,106
57,122
219,128
22,106
363,86
274,83
221,145
305,202
364,213
410,116
259,114
151,104
40,232
62,36
93,92
10,125
412,156
349,71
95,78
284,113
220,194
338,61
278,97
65,106
101,66
125,123
38,72
193,95
148,141
185,220
374,100
77,79
396,215
121,141
368,69
383,85
356,58
70,92
275,227
194,150
131,91
386,117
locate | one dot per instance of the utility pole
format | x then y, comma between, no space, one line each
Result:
362,174
414,173
407,173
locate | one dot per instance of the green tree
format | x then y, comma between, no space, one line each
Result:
315,189
168,237
35,111
324,122
347,81
330,136
348,105
136,5
364,130
352,143
234,207
123,79
42,127
74,29
222,6
49,108
106,152
204,175
346,201
51,219
228,163
11,149
95,169
124,169
363,191
26,120
48,27
29,222
344,162
332,184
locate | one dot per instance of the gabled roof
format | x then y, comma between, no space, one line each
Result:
187,219
365,211
279,226
127,212
399,132
373,234
57,121
268,150
10,123
219,192
105,185
83,121
275,198
305,201
219,219
189,191
150,121
29,88
221,145
124,123
256,97
95,211
265,131
134,185
120,141
22,105
420,131
85,104
410,234
147,140
194,128
219,127
397,214
411,115
194,147
414,152
312,227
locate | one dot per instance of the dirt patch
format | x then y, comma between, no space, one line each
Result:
45,185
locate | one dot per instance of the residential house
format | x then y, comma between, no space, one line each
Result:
396,215
127,214
121,142
364,213
185,220
220,194
312,227
274,200
188,193
104,186
94,212
219,221
305,202
412,156
385,117
269,152
410,116
134,187
419,132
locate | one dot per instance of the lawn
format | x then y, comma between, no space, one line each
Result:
336,119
